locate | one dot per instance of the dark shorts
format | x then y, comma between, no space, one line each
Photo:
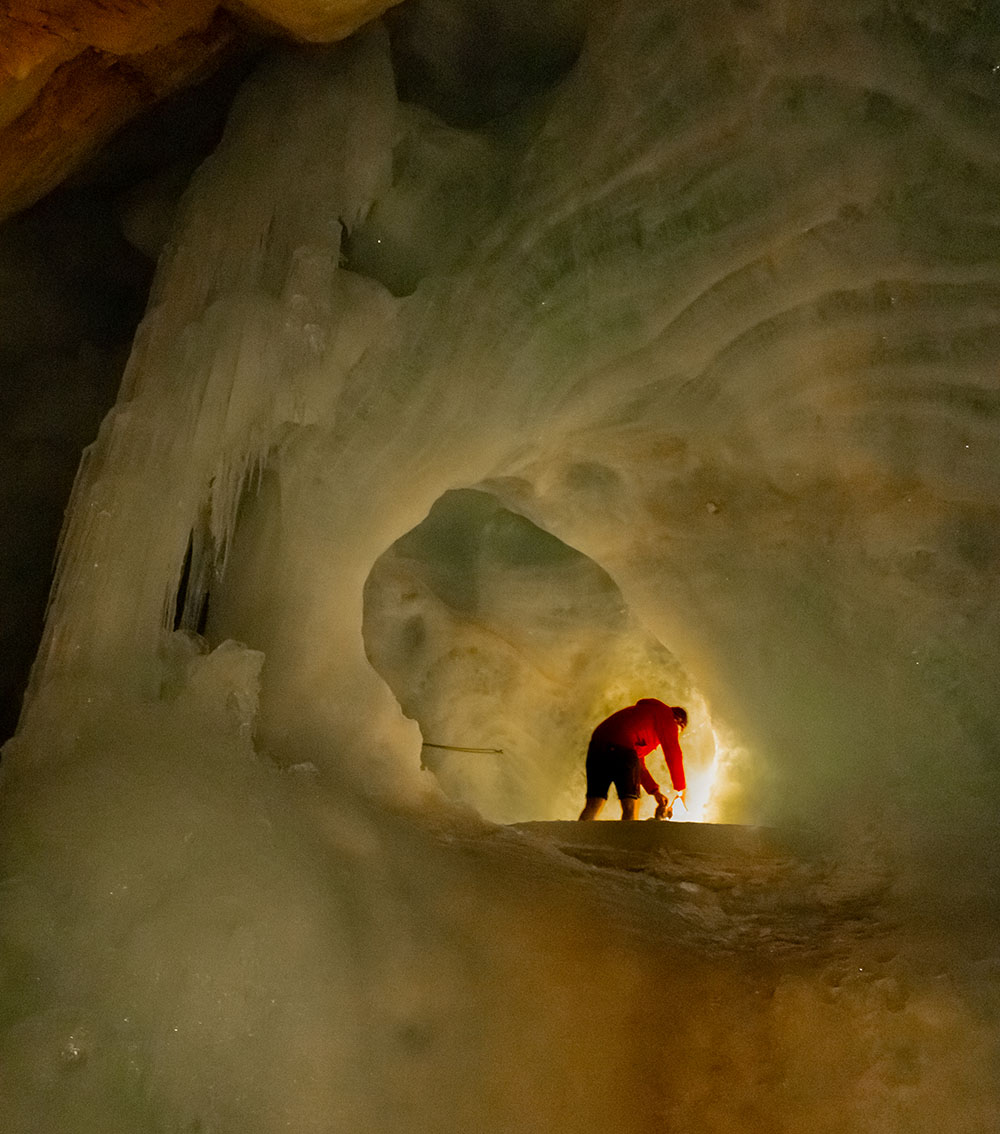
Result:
608,764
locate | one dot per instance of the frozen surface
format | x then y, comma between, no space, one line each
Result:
704,333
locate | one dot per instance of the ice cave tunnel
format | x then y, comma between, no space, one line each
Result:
502,361
492,632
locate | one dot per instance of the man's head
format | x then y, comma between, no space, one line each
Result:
680,716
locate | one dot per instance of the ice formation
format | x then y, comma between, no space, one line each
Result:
688,358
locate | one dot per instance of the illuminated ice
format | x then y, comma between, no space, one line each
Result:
712,308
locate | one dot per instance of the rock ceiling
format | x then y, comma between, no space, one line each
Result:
73,71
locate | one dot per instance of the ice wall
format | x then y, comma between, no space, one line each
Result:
732,337
718,310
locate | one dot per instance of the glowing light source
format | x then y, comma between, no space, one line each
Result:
703,777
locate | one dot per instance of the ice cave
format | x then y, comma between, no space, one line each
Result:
504,364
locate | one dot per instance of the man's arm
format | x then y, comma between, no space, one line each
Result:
666,728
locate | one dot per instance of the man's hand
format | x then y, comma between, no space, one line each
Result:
682,796
663,808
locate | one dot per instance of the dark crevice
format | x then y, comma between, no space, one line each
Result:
191,607
475,63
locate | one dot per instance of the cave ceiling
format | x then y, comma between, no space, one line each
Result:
73,72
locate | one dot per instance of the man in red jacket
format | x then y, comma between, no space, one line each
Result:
618,750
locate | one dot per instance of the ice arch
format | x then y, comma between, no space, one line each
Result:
494,634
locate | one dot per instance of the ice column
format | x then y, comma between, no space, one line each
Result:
242,306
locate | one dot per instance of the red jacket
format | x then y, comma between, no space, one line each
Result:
646,725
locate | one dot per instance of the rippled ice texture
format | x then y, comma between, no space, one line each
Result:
715,308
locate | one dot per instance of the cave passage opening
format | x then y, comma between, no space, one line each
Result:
507,647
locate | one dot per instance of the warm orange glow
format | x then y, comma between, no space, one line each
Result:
702,778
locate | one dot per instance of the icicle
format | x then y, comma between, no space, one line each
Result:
242,306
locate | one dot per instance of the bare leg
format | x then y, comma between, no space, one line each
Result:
630,808
593,807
